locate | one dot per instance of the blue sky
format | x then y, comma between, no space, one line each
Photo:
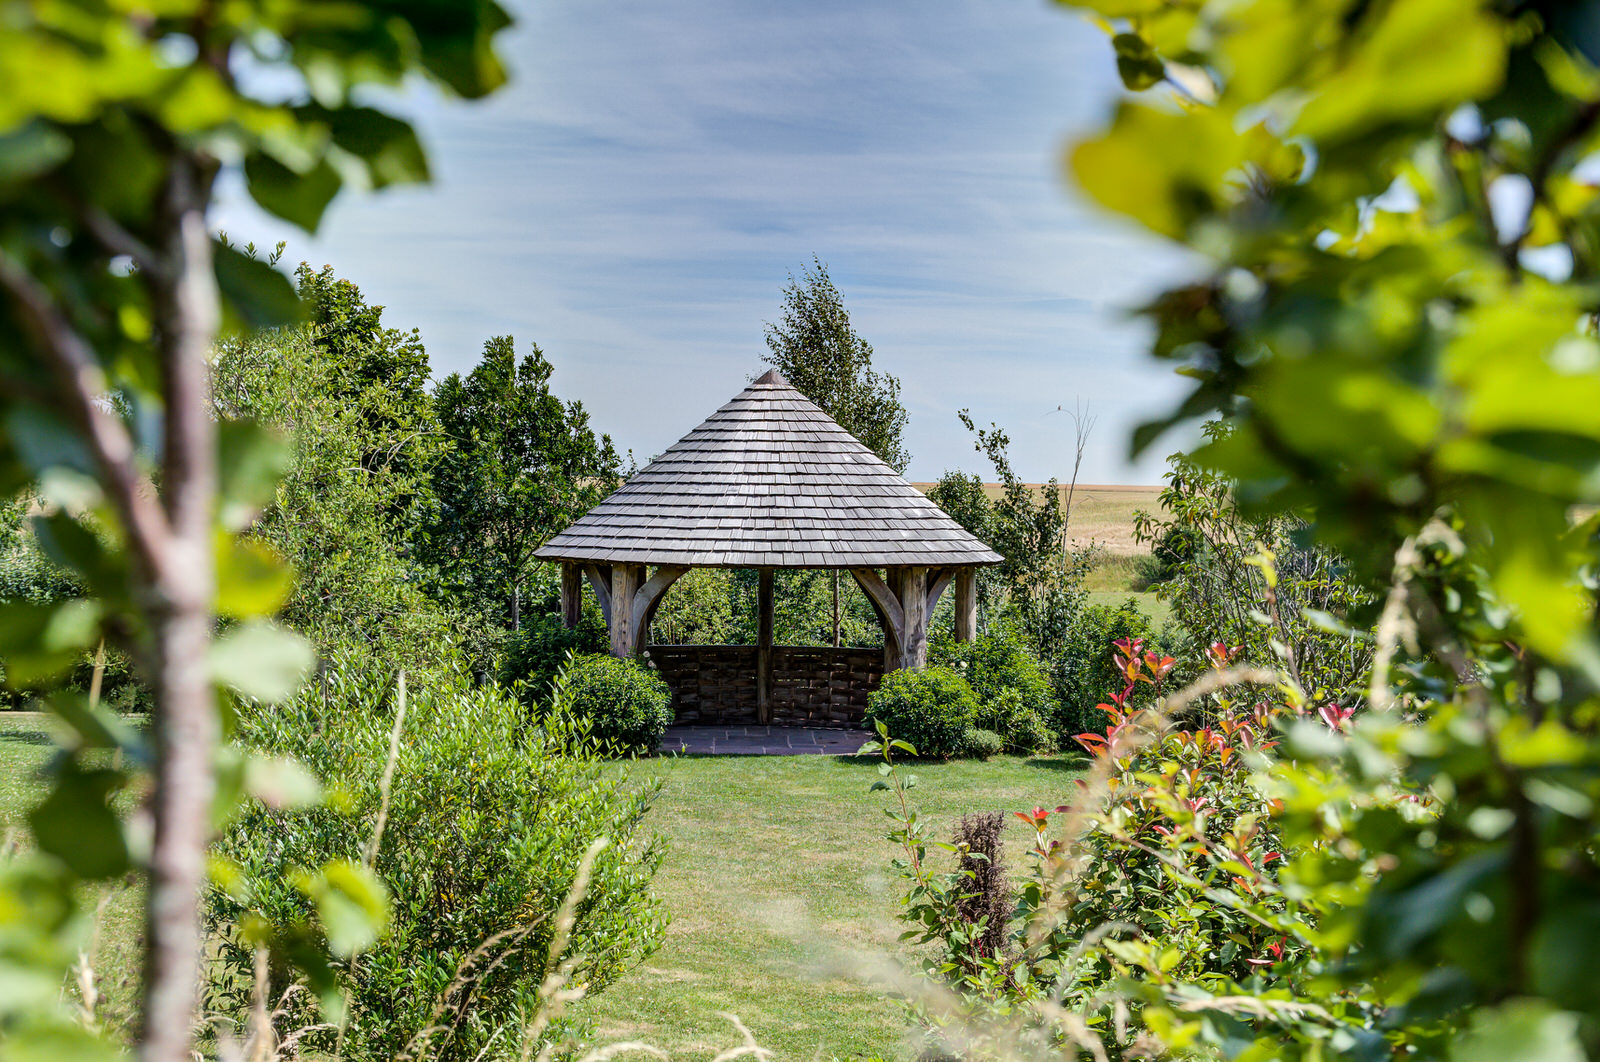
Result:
636,198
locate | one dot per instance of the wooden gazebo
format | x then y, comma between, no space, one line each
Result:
770,481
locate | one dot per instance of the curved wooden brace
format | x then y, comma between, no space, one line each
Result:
600,580
887,606
882,598
939,581
648,597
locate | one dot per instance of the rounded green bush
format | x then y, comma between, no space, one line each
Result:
981,744
1013,686
623,701
932,709
489,815
1017,723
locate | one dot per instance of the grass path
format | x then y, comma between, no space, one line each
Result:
780,888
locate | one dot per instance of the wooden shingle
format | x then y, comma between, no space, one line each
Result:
769,480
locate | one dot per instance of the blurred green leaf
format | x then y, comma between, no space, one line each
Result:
1137,63
75,822
351,902
58,1040
78,549
298,198
43,441
261,661
95,728
250,462
280,782
39,641
387,145
1521,1030
1161,167
252,579
255,293
31,150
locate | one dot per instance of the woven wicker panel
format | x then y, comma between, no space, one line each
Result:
716,684
712,684
823,687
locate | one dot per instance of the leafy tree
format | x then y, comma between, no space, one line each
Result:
817,350
521,465
380,375
1040,579
338,512
1311,617
116,124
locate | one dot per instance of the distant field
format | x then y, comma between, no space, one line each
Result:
1101,513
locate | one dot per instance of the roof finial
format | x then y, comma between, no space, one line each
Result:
772,376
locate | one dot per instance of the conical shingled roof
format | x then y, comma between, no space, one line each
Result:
769,480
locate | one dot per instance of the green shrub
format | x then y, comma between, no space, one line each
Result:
932,709
980,744
490,812
1013,688
623,702
1017,724
531,658
1178,544
1169,878
1085,670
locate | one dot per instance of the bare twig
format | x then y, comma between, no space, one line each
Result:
1082,428
386,784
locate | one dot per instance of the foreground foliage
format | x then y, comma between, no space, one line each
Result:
117,123
475,819
1395,315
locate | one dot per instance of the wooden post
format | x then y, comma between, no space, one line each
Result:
966,603
914,604
763,645
625,580
571,595
835,574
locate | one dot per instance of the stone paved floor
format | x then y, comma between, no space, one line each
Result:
762,741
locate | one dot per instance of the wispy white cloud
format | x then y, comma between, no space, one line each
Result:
635,200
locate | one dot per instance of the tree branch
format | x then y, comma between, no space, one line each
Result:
80,386
185,721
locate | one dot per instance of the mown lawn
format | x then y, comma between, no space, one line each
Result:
26,744
783,900
777,877
1158,610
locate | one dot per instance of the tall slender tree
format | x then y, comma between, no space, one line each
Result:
817,349
520,465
